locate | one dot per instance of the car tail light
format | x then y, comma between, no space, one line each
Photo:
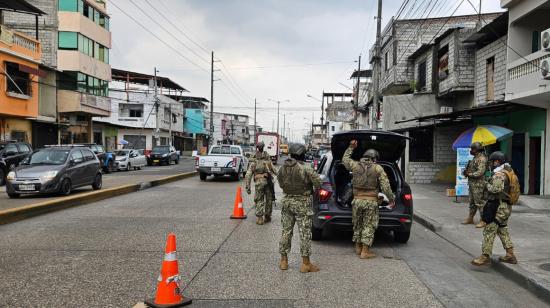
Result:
407,199
325,217
197,160
324,194
403,220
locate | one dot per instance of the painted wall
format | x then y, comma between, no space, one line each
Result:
194,122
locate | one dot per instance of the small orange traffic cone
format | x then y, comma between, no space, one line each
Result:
168,288
238,210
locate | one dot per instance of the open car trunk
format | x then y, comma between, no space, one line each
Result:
343,190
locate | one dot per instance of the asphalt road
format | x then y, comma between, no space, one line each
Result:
108,254
109,180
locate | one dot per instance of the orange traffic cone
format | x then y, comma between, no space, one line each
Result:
238,210
168,288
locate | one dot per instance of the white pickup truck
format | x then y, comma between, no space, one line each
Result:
222,160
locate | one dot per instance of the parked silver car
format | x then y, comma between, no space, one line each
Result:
128,159
55,170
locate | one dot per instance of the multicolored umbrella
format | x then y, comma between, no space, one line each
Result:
486,134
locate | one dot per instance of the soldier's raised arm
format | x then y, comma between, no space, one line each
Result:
348,162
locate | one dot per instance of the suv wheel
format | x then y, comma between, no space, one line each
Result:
98,182
316,234
401,237
203,176
2,177
66,187
13,196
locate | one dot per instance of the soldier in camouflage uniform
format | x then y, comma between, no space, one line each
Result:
368,179
497,212
261,168
475,172
297,181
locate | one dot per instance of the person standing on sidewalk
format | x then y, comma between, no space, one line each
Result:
497,212
368,179
262,170
298,181
475,172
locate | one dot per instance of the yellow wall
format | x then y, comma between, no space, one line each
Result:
7,125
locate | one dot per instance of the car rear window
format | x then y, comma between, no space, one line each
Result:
235,151
88,155
23,148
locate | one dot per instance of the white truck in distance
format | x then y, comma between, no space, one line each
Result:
271,141
222,160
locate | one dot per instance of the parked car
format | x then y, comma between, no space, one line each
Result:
163,154
106,159
128,159
222,160
332,202
57,169
11,154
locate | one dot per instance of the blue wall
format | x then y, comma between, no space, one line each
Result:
194,122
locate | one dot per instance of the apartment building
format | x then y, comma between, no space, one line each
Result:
20,58
76,41
230,128
340,113
528,82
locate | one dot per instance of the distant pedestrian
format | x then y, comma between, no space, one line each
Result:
475,172
298,181
261,169
368,179
498,209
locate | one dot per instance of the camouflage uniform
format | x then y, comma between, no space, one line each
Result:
297,182
260,164
497,225
365,208
475,171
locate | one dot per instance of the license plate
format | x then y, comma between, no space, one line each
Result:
26,187
156,161
214,169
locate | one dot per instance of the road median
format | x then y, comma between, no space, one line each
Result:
35,209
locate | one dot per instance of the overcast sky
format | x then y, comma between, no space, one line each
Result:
269,49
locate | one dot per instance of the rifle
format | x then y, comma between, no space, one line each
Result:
271,185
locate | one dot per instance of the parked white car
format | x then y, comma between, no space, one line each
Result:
129,159
222,160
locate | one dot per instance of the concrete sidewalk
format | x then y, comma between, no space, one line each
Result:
529,229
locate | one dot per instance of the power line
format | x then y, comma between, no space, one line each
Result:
157,37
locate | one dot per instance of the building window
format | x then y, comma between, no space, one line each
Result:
85,9
421,82
490,76
443,56
68,40
136,113
68,5
386,66
421,145
18,82
19,136
535,41
76,81
332,128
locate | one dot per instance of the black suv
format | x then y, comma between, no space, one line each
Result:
163,154
332,202
11,154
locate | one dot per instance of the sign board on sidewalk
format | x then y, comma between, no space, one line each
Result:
462,157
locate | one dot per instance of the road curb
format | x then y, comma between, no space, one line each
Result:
536,285
427,222
31,210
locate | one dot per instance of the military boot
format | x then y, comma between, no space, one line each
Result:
366,254
260,220
283,265
509,257
470,219
267,218
481,224
482,260
307,266
358,248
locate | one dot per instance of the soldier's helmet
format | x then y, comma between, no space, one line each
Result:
477,146
260,144
498,155
297,149
371,154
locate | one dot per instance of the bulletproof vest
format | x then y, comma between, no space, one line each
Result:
261,166
367,179
293,180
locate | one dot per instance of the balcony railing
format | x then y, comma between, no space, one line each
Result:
521,68
11,37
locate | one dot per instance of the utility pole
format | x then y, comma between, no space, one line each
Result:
278,104
377,66
479,16
211,138
170,127
284,125
157,128
356,105
255,125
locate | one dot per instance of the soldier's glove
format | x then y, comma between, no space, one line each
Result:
248,191
391,205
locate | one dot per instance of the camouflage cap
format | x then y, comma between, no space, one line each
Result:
297,149
372,154
498,155
476,146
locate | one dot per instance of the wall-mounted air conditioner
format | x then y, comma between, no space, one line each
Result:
545,68
545,40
